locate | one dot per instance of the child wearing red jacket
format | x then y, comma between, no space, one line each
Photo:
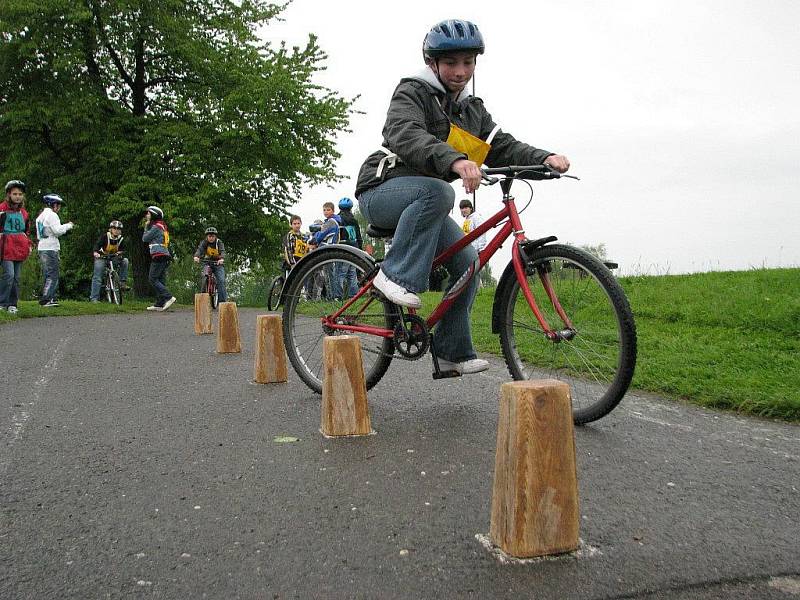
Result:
15,245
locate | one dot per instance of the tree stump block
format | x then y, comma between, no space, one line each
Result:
202,314
228,339
270,364
535,495
344,389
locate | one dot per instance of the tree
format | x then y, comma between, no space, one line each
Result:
117,105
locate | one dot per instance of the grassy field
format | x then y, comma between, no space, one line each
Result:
727,340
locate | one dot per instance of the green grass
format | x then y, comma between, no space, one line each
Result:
71,308
728,340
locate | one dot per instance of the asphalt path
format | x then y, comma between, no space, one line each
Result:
136,462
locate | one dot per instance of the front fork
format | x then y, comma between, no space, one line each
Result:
520,261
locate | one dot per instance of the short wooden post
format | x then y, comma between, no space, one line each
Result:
344,390
202,314
535,496
228,339
270,364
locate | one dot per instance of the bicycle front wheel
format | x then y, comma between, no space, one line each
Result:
316,292
114,288
275,290
597,354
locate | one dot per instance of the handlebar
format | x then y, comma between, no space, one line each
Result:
112,255
533,172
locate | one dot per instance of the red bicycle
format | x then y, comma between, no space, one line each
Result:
580,330
208,283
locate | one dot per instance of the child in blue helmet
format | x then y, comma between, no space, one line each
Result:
351,235
435,133
48,230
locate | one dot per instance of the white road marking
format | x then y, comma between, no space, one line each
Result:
21,416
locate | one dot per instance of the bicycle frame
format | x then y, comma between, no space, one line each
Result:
511,227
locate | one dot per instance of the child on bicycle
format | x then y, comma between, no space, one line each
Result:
436,132
15,245
212,249
156,236
108,243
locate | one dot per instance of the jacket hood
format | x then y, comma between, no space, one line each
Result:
427,76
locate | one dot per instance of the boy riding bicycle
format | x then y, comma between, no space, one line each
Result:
212,249
436,132
110,243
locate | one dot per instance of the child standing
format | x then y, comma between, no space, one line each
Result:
156,235
48,230
15,245
471,222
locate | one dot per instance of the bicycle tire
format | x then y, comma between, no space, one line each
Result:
213,292
275,291
303,331
598,363
115,288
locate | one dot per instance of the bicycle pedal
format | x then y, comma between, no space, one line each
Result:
446,374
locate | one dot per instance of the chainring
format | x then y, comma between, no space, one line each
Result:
411,337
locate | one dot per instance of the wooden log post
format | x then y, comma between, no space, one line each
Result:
270,364
535,496
228,339
344,390
202,314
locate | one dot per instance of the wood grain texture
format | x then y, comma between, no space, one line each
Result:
535,494
344,392
202,314
228,338
270,362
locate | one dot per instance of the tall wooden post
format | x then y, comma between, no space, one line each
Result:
270,364
228,339
202,314
344,390
535,497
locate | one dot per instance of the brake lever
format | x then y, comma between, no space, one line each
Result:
490,180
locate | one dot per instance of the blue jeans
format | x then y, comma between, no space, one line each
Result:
347,280
158,278
9,283
49,260
219,273
418,209
120,263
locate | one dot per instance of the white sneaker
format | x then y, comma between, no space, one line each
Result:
395,293
169,303
154,307
475,365
12,310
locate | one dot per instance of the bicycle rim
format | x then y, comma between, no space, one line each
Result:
598,362
313,295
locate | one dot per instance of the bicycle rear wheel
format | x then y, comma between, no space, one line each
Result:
599,359
210,287
314,293
275,290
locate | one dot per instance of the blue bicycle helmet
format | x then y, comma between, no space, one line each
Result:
51,199
345,203
453,35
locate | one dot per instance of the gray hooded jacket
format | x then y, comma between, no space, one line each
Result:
418,124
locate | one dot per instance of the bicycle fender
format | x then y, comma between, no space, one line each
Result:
327,248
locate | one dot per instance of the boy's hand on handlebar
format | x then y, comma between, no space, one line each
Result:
96,254
196,259
220,261
557,162
469,172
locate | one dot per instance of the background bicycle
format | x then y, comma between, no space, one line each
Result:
559,312
112,286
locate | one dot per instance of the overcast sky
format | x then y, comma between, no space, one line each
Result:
682,118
